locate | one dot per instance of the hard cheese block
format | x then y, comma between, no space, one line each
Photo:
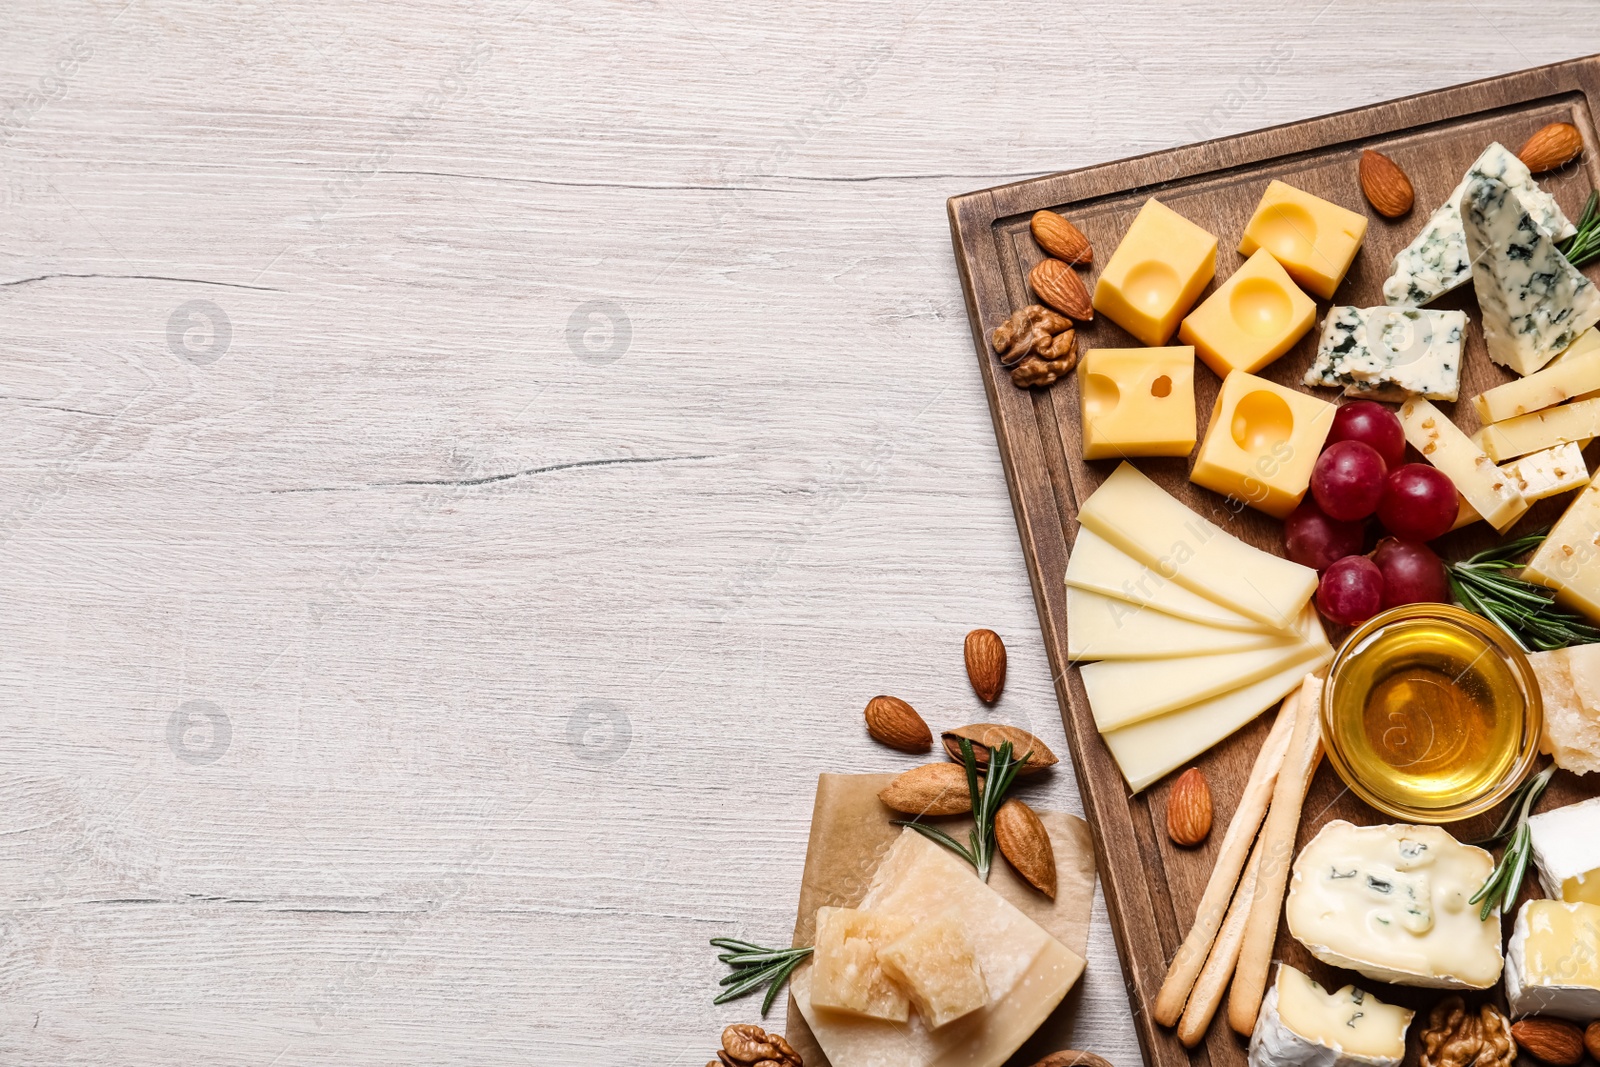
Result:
1533,302
846,974
1253,318
1137,402
1262,443
1314,240
1155,274
1487,488
1302,1025
1561,381
1144,521
1390,353
1436,261
1566,850
1553,961
1579,421
1124,692
1103,627
1569,559
1569,685
1391,903
1097,565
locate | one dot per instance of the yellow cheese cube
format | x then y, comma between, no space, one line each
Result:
846,975
1253,318
936,964
1262,442
1313,239
1156,273
1137,402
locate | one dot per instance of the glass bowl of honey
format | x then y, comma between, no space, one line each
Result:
1431,714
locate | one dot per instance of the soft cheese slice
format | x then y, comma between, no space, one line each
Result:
1390,353
1561,381
1148,750
1391,903
846,973
1436,261
1571,718
1566,849
1534,303
1302,1025
1098,566
1553,961
1026,972
1475,476
1103,627
1128,691
1539,430
1144,521
1569,559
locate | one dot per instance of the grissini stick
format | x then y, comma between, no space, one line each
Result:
1191,955
1213,981
1277,854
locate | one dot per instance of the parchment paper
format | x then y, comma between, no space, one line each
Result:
851,831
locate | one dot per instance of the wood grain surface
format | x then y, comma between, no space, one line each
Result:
467,465
1153,887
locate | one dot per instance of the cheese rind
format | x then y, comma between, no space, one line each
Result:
1145,522
1391,903
1390,353
1251,319
1097,565
1101,627
1487,488
1569,559
1301,1025
1156,273
1553,961
1436,260
1534,432
1262,443
1559,382
1128,691
846,973
1566,850
1137,402
1314,239
1533,302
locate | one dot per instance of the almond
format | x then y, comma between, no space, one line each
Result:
1554,1041
1591,1039
1073,1058
1189,809
1025,844
986,660
1551,146
932,789
1059,286
1060,238
897,724
990,735
1385,185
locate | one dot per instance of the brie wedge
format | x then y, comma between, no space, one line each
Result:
1566,849
1300,1025
1553,961
1391,903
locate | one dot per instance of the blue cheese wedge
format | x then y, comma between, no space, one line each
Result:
1391,903
1301,1025
1534,302
1390,353
1553,961
1437,261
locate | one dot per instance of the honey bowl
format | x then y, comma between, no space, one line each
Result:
1431,714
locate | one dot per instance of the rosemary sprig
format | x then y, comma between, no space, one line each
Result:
1505,881
754,967
1584,246
987,796
1526,611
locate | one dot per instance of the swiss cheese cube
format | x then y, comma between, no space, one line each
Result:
1253,318
1490,491
1137,402
934,961
1313,239
1261,444
846,973
1156,273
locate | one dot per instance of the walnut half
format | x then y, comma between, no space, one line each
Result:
747,1045
1457,1036
1034,330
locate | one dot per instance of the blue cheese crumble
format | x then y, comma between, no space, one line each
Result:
1390,353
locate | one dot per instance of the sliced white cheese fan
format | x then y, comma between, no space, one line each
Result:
1103,627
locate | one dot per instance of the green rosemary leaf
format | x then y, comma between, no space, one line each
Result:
1526,611
1500,889
1584,246
933,833
754,967
777,983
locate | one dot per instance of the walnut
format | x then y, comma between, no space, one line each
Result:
1033,330
1459,1037
1035,371
747,1045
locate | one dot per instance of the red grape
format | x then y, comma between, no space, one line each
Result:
1372,424
1316,541
1351,590
1411,573
1348,480
1419,503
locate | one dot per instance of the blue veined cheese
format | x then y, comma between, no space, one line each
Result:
1390,353
1436,261
1534,303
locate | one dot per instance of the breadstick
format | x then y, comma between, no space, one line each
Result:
1207,995
1191,955
1277,854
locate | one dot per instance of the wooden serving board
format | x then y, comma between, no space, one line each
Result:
1151,886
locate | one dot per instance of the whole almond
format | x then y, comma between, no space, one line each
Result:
990,735
1554,1041
1189,809
1059,286
1591,1040
1060,238
1551,146
1025,844
897,724
1385,185
932,789
986,664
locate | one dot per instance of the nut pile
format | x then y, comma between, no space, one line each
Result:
1036,343
747,1045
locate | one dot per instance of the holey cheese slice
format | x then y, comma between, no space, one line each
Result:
1301,1025
1144,521
1553,961
1566,849
1391,903
1098,566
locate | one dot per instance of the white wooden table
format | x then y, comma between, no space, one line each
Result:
467,464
